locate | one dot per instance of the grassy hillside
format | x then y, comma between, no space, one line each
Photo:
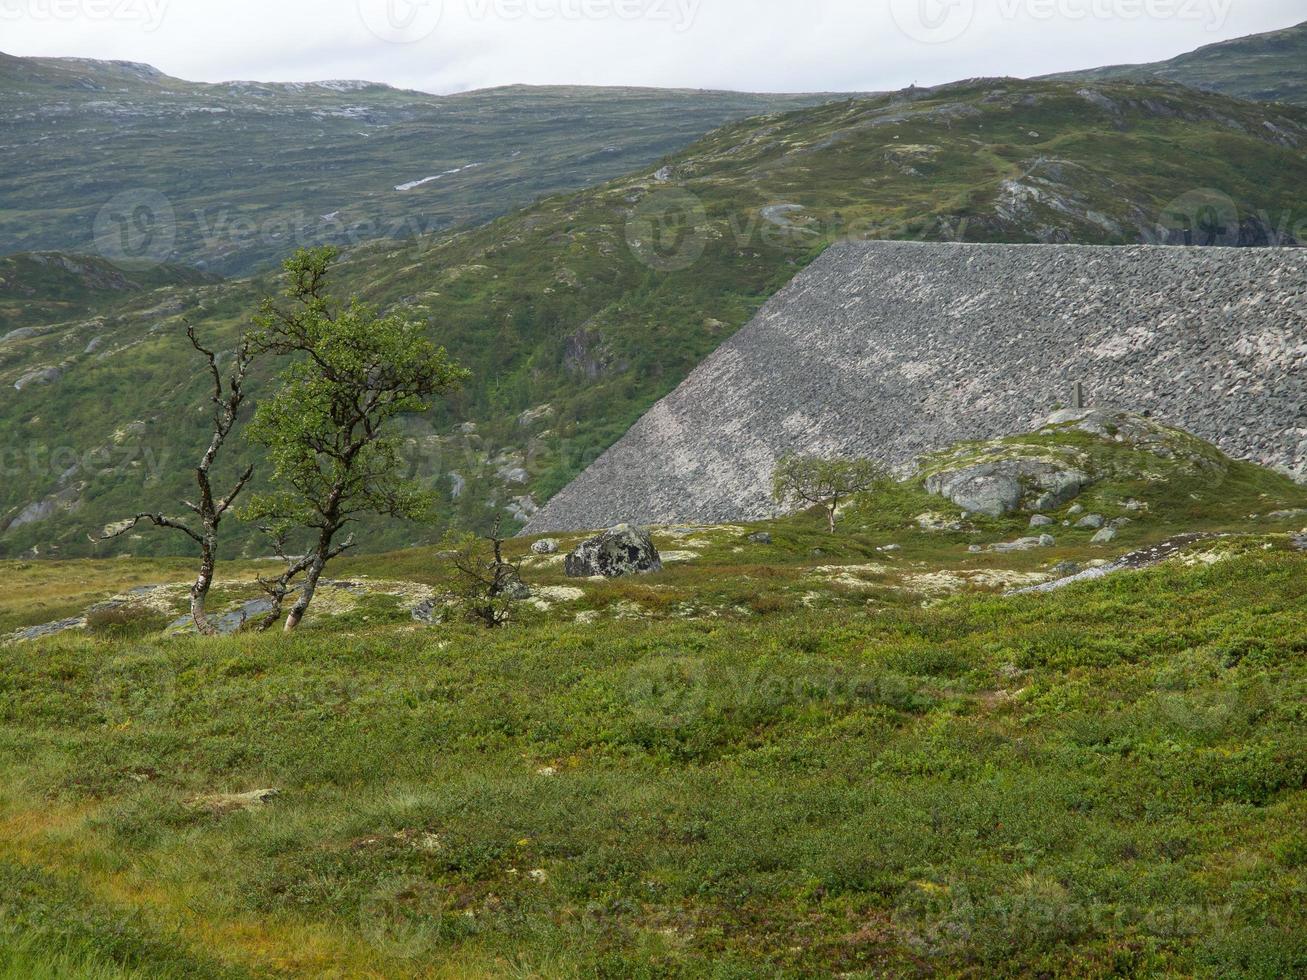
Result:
42,288
1269,67
824,755
589,307
236,175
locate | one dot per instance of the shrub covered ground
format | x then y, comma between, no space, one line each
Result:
760,762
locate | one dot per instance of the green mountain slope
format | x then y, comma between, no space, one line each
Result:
41,288
235,175
1268,67
594,305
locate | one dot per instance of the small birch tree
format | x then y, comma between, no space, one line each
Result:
823,482
328,428
487,584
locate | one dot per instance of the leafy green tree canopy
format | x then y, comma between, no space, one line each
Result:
815,480
327,430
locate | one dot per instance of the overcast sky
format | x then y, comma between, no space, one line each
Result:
758,45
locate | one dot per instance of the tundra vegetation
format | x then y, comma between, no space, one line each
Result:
755,762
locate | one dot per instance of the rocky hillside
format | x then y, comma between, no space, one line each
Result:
577,314
1269,67
891,350
236,175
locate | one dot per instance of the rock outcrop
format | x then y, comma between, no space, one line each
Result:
894,349
1006,485
621,550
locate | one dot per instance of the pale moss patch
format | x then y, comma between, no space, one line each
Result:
544,561
948,582
851,576
546,597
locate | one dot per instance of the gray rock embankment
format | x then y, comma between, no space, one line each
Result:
892,349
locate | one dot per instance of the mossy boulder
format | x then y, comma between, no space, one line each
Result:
1002,486
619,551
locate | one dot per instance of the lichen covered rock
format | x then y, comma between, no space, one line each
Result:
619,551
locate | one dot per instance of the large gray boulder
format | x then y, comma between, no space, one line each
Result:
621,550
1002,486
41,376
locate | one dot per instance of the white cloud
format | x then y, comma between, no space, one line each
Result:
763,45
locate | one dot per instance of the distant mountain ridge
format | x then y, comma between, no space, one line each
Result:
1270,67
235,175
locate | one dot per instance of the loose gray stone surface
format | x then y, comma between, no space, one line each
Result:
621,550
1145,558
1091,522
1042,520
40,376
893,349
547,546
1105,536
517,590
761,537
